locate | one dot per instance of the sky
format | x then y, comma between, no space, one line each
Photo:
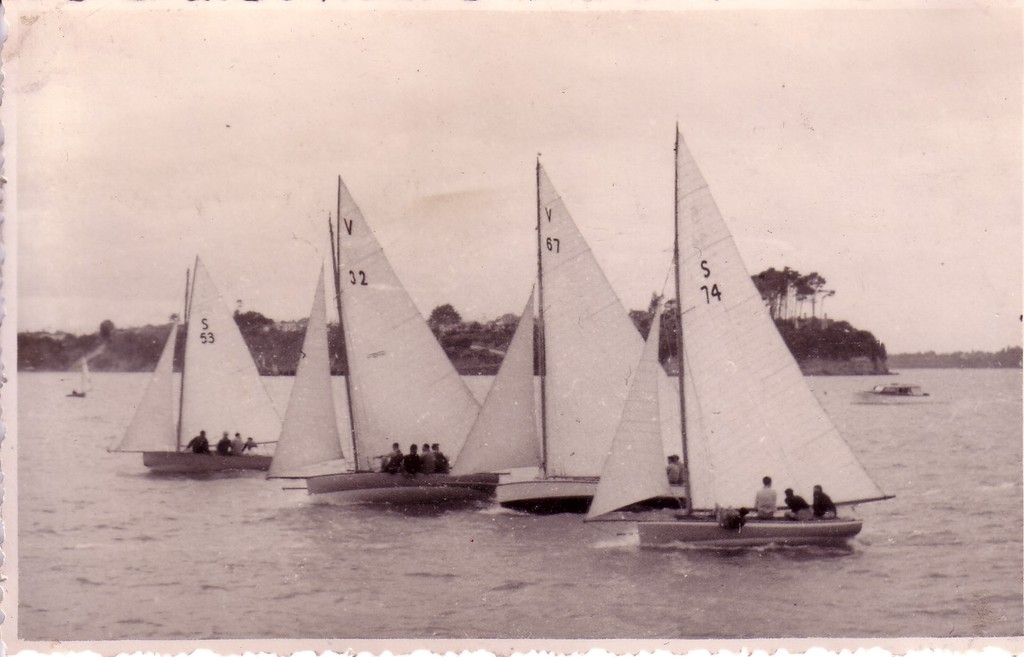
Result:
880,148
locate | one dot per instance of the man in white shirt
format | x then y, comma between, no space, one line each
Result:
766,500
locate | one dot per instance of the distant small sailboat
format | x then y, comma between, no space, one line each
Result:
588,349
86,381
401,386
220,392
747,410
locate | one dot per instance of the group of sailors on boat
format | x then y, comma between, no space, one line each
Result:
766,502
430,461
225,446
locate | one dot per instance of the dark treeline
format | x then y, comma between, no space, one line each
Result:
1008,357
479,347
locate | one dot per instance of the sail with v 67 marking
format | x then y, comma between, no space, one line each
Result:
591,347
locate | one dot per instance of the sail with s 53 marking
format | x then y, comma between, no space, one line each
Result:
222,390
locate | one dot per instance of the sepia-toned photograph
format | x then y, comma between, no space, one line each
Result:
454,325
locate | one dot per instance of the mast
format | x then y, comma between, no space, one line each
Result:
541,351
679,332
343,347
185,309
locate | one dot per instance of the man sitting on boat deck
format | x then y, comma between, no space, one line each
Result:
766,500
674,470
428,460
799,509
441,464
822,504
392,463
224,445
412,463
249,444
199,444
237,445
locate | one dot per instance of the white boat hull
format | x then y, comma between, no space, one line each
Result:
549,495
185,462
706,532
869,397
385,488
560,495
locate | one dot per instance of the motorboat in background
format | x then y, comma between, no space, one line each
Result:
895,393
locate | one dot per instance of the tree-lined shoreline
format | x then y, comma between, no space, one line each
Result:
820,345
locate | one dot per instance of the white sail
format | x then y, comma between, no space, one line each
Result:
404,389
758,415
152,427
634,469
86,380
505,433
309,432
222,388
591,346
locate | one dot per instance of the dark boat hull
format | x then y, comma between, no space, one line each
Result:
385,488
563,495
185,462
707,532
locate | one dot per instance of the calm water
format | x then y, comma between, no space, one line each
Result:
109,551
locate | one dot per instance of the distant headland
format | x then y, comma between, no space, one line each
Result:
820,345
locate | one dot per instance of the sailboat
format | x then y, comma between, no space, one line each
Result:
220,392
747,411
588,349
86,382
401,387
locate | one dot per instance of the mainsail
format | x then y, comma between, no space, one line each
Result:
152,427
505,433
309,432
591,347
758,416
634,469
222,388
404,388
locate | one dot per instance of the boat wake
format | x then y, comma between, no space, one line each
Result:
498,510
623,540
